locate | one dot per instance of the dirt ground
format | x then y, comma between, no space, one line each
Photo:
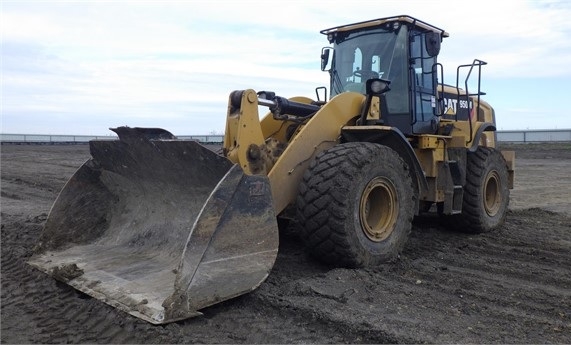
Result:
509,286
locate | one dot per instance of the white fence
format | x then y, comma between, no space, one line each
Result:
521,136
535,136
42,138
80,139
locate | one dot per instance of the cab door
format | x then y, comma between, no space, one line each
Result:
423,83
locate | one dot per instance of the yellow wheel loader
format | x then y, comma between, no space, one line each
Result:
161,228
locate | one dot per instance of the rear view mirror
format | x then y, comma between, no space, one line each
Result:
325,61
433,40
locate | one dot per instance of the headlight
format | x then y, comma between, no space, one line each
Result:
377,86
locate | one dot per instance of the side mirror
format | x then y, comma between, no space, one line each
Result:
433,40
325,54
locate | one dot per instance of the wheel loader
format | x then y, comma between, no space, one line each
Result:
161,228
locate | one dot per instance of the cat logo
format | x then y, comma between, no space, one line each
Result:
451,105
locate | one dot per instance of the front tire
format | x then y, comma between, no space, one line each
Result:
356,205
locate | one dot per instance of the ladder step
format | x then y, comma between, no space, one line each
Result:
457,199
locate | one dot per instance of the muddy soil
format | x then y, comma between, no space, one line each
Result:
509,286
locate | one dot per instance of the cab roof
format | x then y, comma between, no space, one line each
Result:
381,21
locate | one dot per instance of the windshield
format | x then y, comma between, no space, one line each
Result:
377,53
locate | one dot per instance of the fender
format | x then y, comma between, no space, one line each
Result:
393,138
484,127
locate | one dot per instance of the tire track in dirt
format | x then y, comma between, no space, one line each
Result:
450,275
59,314
512,277
509,286
55,312
302,294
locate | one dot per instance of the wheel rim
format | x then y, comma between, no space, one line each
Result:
492,197
378,209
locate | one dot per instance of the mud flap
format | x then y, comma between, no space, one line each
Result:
159,228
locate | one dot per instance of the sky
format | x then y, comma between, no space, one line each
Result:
81,67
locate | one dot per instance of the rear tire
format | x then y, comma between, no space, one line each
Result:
486,193
356,205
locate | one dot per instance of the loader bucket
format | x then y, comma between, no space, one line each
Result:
159,228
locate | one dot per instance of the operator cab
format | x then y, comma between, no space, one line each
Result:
399,49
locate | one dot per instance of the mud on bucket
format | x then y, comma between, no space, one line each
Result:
159,227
